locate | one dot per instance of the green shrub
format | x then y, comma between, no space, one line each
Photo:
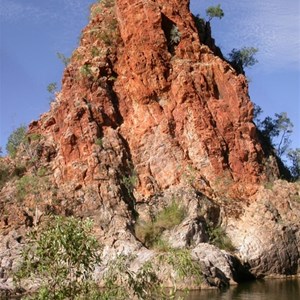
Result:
52,88
243,58
4,174
15,139
99,142
170,216
65,60
95,51
129,182
294,157
107,38
62,255
86,71
121,283
149,233
27,185
175,35
108,3
183,263
214,12
269,185
219,238
96,11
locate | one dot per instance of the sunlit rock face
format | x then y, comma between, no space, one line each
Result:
142,92
149,114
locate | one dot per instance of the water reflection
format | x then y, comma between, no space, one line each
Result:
271,289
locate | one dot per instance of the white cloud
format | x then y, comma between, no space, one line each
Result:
68,15
10,10
16,10
273,26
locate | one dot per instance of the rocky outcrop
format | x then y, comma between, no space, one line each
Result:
148,114
141,83
267,234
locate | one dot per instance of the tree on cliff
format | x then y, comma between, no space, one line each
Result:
275,133
214,12
243,58
294,157
15,140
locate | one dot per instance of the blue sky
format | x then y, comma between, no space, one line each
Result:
33,31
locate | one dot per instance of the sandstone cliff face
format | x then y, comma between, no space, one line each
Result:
143,84
148,113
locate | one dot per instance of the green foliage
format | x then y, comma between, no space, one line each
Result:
284,126
15,140
219,238
62,255
33,186
26,185
129,182
243,58
19,170
106,31
106,37
121,283
272,129
182,262
95,11
269,185
170,216
52,87
41,172
214,12
108,3
99,142
33,137
149,233
276,132
65,60
86,71
95,51
175,35
7,172
294,157
4,174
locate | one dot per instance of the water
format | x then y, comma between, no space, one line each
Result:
271,289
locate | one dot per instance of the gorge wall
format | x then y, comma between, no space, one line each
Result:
146,113
142,78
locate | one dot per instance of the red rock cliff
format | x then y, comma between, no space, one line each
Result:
147,116
142,94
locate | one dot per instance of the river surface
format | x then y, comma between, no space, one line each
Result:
271,289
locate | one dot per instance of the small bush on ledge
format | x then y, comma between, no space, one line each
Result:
219,238
149,233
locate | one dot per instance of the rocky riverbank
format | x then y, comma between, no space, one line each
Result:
149,115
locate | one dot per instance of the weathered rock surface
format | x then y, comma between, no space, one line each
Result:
142,83
148,113
267,234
